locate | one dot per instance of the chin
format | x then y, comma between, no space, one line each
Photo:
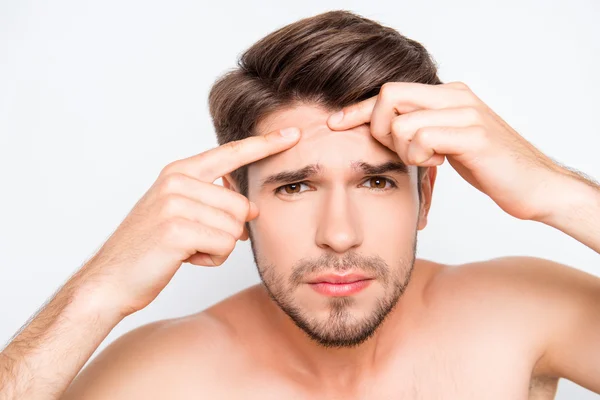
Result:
340,324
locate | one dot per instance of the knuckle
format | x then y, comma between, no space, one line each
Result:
473,115
225,242
398,123
239,230
480,131
240,207
171,229
423,136
460,85
171,182
170,168
397,137
244,205
230,242
348,110
410,158
386,91
232,223
401,125
171,205
423,133
480,136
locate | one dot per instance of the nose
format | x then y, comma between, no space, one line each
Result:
339,226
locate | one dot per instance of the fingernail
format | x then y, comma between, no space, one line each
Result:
337,117
289,133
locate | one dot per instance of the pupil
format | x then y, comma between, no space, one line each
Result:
292,188
378,183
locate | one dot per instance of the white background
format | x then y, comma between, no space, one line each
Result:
96,97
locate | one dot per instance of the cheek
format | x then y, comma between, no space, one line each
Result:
389,226
284,231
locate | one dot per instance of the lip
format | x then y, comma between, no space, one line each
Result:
335,278
340,285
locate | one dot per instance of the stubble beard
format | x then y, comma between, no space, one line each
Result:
340,329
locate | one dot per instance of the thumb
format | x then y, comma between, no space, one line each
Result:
351,116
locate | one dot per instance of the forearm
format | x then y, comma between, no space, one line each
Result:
577,210
43,359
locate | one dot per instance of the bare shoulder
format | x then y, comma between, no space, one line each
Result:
158,359
542,303
525,278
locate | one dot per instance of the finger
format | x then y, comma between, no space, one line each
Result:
436,160
402,151
215,163
187,238
351,116
180,206
400,98
202,259
410,96
456,85
399,147
207,193
431,141
405,98
253,213
405,126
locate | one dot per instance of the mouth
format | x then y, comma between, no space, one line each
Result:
339,285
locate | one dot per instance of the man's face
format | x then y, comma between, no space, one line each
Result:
338,206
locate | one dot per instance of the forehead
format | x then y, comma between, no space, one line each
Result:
319,144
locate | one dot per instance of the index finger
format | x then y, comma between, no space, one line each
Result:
214,163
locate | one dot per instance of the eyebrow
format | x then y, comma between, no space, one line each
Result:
316,169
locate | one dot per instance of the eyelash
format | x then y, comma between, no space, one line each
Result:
388,180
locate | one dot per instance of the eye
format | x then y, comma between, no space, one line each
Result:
291,188
380,183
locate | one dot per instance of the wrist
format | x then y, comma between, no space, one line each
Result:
575,200
91,301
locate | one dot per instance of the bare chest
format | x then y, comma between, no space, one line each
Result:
431,376
400,389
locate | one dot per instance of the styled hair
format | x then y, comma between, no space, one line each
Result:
331,60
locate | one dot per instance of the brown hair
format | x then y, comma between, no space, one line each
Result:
332,60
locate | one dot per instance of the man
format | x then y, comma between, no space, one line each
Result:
332,202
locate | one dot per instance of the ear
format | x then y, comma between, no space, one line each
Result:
427,183
229,183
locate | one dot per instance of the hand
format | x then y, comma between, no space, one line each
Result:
424,124
183,217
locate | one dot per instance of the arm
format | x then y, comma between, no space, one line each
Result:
183,217
568,317
449,121
54,346
573,339
577,210
427,124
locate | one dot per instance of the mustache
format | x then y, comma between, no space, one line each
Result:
373,265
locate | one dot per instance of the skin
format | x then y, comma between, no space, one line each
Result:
495,329
336,212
